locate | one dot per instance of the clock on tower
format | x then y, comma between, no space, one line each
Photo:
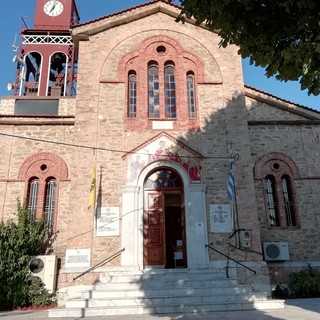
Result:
48,59
56,14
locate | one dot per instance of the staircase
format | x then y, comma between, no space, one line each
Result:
165,292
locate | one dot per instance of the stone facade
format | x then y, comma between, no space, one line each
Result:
231,119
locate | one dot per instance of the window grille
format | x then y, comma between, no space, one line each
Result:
272,204
154,91
50,202
170,91
132,95
32,198
288,201
191,95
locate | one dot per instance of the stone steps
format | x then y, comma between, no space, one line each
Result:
165,292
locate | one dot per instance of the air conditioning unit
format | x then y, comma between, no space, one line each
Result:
45,268
276,251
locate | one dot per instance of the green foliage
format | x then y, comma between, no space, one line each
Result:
281,36
305,284
18,243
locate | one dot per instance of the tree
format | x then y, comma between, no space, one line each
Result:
18,243
281,36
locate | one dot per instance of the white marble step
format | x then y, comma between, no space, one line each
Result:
138,277
168,301
129,310
166,284
176,292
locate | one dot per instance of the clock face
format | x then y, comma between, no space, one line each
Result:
53,8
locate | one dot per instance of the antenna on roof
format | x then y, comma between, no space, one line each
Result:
24,22
15,46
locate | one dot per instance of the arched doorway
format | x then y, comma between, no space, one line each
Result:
164,235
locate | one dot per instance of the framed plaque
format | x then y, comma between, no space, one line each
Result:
108,222
221,218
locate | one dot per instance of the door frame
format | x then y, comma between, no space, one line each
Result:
195,218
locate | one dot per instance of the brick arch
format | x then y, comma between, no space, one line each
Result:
264,166
31,167
146,52
110,70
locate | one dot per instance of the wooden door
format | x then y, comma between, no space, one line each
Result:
153,229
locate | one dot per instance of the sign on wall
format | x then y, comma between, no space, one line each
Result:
221,218
77,258
108,222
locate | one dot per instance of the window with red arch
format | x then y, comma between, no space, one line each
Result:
277,173
42,173
161,83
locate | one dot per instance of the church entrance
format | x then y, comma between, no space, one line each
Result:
164,236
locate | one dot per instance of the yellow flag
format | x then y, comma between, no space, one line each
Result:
93,187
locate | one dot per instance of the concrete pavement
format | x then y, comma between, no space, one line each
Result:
300,309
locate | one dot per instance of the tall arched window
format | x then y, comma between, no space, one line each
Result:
279,172
271,201
191,95
50,201
132,94
170,91
42,173
32,197
153,90
288,201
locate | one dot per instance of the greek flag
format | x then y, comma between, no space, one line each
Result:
231,182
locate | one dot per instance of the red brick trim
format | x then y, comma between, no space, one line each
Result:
31,167
264,166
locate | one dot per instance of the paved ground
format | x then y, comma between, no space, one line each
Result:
307,309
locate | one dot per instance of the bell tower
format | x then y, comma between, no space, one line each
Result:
47,63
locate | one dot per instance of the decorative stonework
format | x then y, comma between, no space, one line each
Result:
166,148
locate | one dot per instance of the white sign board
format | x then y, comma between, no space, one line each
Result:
77,258
221,218
108,222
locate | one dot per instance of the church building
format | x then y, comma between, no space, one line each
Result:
170,185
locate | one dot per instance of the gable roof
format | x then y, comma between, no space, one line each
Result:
282,104
95,26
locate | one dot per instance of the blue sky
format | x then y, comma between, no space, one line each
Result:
10,24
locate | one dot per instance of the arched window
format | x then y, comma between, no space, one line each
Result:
132,94
50,201
170,91
278,172
271,201
191,95
32,71
153,90
288,201
57,75
32,197
42,173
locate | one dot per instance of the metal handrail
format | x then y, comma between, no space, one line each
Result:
230,258
101,263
